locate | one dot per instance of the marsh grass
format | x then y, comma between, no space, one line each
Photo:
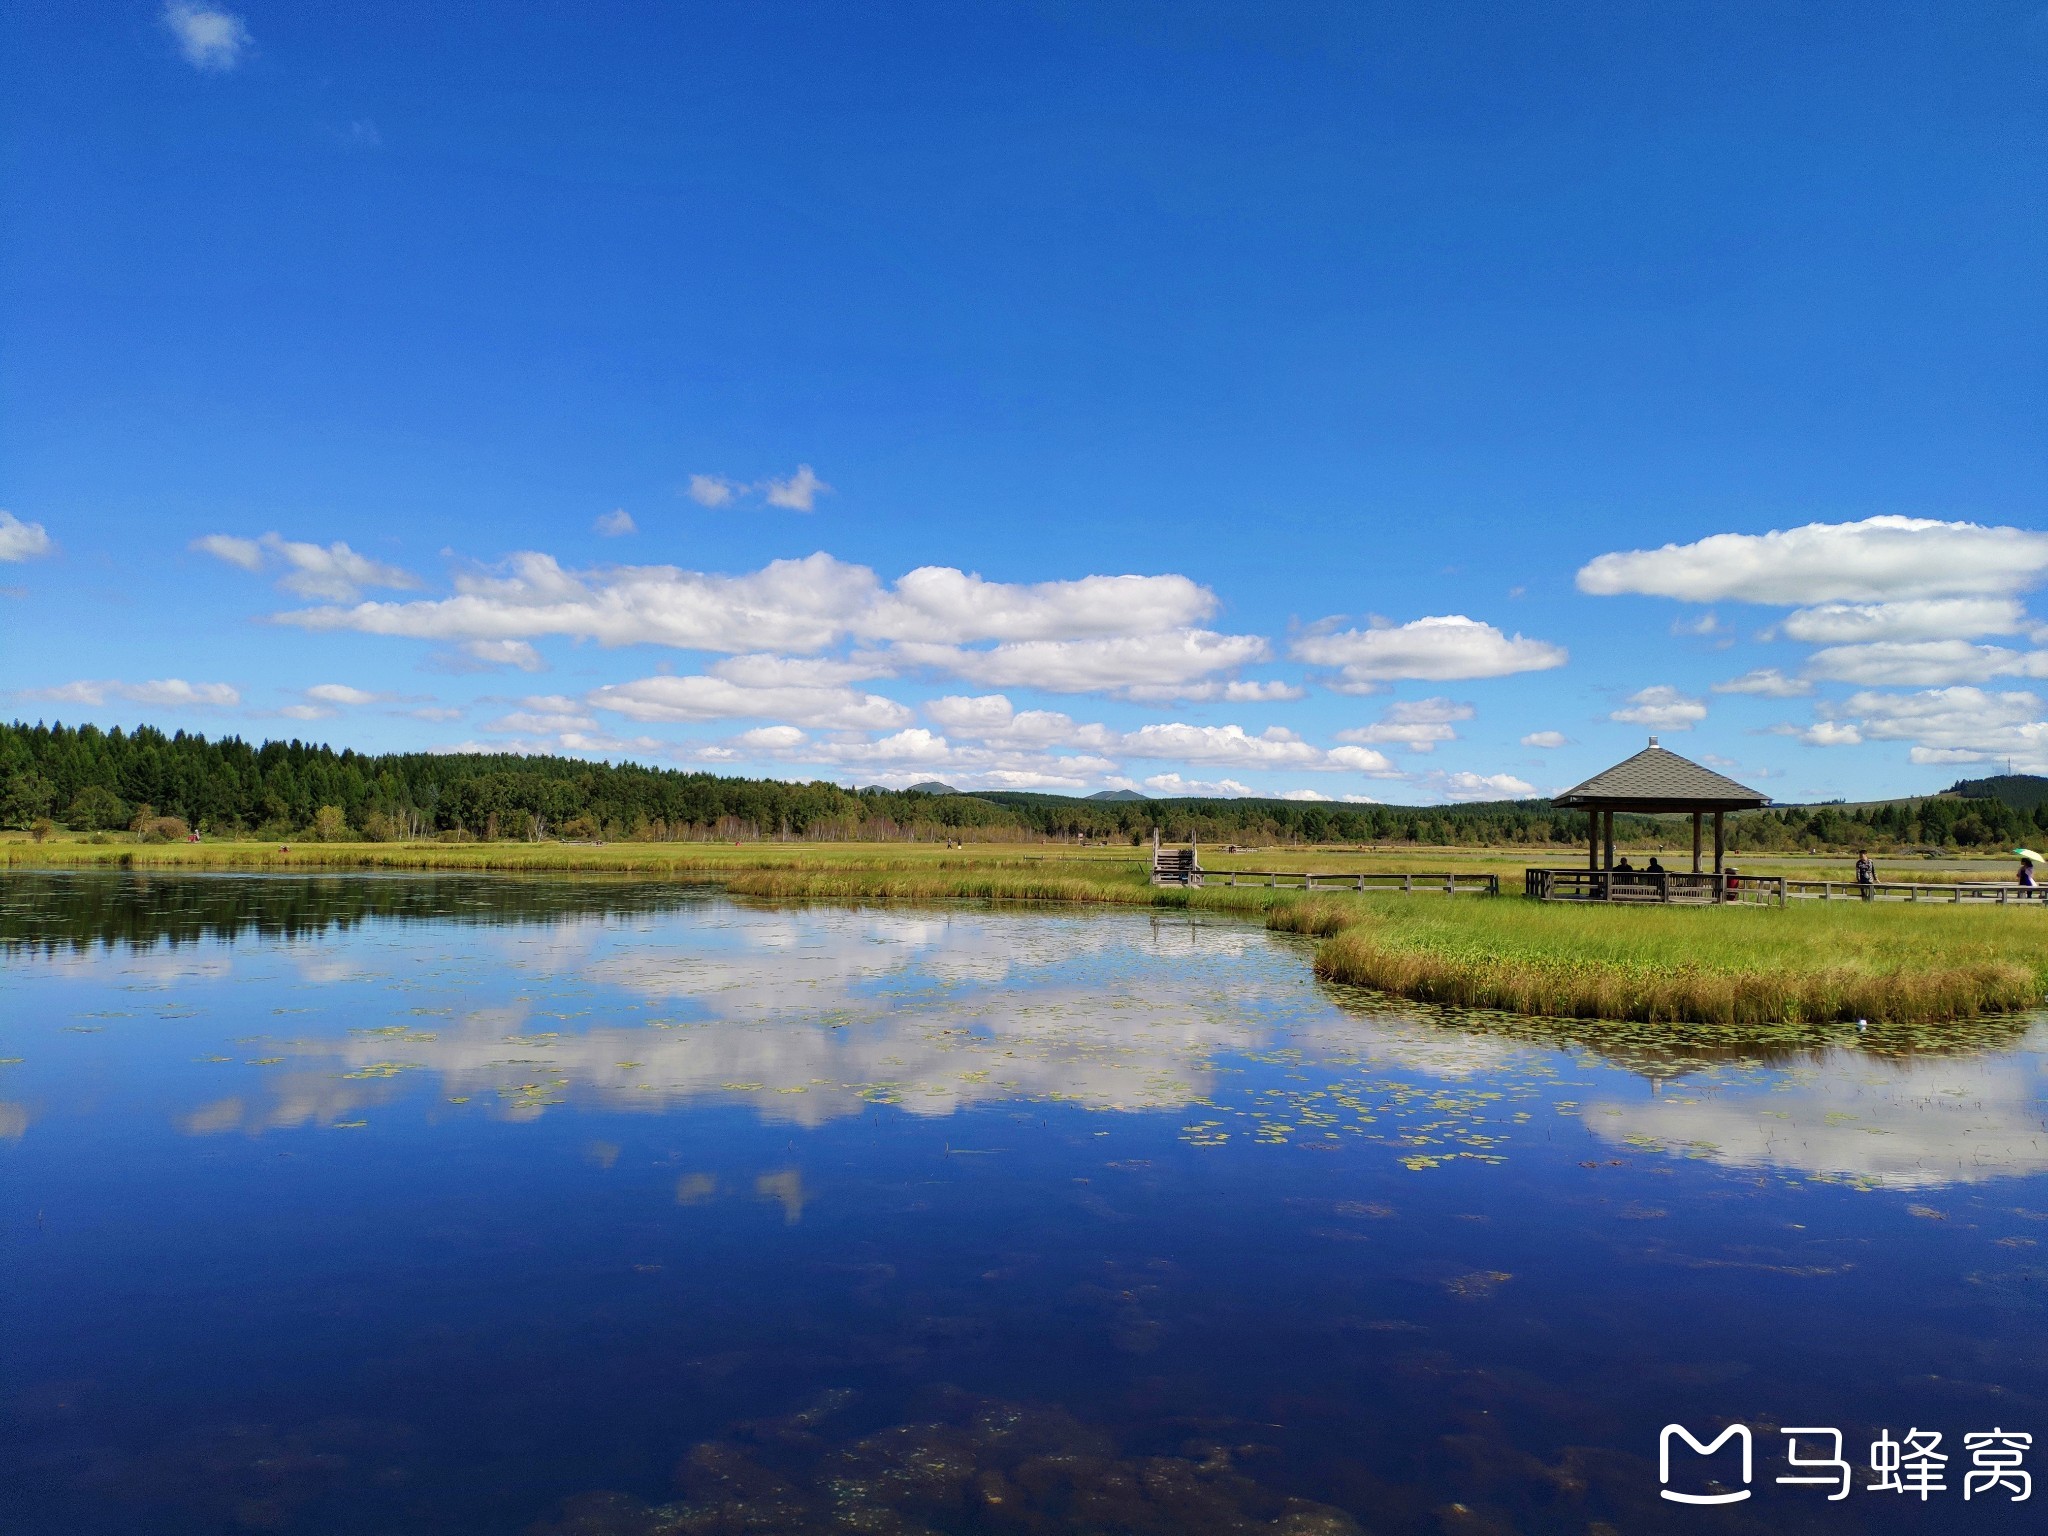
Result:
1805,965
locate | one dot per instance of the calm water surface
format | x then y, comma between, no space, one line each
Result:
464,1205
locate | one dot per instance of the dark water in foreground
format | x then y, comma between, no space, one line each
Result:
450,1206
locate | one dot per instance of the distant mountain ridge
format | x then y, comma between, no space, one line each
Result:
2021,791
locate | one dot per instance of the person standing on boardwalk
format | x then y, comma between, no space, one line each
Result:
1866,874
2026,878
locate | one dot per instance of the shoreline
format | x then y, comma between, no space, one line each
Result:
1805,975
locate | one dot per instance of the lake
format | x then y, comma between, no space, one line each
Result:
461,1204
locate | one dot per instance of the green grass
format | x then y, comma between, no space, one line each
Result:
1804,972
1808,965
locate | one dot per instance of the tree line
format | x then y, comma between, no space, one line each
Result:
90,780
156,784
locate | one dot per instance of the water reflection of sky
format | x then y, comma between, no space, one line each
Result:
1906,1123
685,1200
815,1014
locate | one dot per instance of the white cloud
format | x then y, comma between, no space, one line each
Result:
1158,663
1546,739
991,717
504,653
1766,683
1229,744
1006,746
1940,709
712,490
917,753
942,605
1309,795
22,541
167,692
616,523
1831,733
1441,649
1417,724
1360,760
1242,692
987,714
1209,789
330,571
1924,663
210,39
1877,560
1951,725
1939,618
573,743
1097,632
246,553
913,744
1705,624
788,605
716,698
342,693
1662,708
323,699
770,738
1476,786
760,670
798,492
544,715
1944,756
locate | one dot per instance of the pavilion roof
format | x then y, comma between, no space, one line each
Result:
1658,779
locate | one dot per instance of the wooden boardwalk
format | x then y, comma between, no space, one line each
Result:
1446,882
1986,892
1176,866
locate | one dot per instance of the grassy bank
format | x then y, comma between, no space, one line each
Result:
1808,965
1804,970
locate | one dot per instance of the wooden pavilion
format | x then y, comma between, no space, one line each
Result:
1656,781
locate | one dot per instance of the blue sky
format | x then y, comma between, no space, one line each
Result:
1393,402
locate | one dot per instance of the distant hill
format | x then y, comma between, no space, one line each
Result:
932,787
1116,794
2021,791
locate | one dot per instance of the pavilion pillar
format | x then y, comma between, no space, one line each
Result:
1592,839
1608,818
1720,843
1695,842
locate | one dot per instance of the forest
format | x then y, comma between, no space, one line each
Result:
159,785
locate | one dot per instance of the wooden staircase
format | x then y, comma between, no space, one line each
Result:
1174,866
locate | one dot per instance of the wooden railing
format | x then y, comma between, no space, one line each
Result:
1651,887
1916,890
1449,883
